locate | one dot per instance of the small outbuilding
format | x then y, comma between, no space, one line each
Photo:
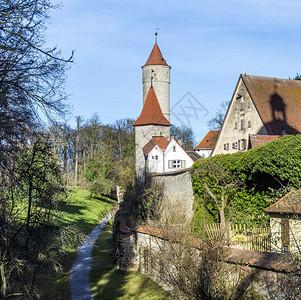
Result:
286,223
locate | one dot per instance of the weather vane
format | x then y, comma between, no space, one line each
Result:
156,34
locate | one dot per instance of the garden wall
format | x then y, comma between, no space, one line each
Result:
266,275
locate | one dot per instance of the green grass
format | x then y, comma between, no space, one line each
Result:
108,282
82,213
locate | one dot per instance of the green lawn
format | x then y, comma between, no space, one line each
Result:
108,282
82,213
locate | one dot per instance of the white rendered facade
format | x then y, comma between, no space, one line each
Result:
173,158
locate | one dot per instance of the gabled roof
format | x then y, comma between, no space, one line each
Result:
278,102
156,57
195,156
208,141
259,140
151,112
159,141
289,204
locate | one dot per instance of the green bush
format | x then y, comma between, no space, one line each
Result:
265,173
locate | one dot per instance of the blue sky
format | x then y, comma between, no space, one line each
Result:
207,44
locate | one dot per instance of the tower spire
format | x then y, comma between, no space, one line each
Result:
156,36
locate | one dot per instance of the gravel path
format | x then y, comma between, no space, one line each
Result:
79,274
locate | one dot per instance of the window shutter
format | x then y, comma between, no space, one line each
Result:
170,164
183,164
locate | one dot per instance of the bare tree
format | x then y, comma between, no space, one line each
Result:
216,122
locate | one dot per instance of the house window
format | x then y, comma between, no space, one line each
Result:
174,149
156,157
226,146
241,106
234,145
176,164
235,125
242,144
249,105
249,124
235,106
242,124
153,157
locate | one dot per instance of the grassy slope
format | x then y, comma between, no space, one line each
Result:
108,282
82,213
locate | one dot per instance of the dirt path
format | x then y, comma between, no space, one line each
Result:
79,274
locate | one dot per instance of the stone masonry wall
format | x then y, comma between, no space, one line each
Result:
266,275
177,192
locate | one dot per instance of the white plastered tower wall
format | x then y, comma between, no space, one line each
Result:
161,85
143,134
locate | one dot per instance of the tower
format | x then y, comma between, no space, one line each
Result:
151,122
157,68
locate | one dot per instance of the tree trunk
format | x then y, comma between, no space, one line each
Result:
222,211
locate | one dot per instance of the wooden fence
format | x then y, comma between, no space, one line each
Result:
256,238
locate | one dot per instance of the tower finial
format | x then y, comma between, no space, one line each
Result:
156,35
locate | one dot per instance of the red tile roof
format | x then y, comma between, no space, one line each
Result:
208,141
259,140
278,102
151,112
289,204
156,57
159,141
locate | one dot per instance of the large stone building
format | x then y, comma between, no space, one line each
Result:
261,109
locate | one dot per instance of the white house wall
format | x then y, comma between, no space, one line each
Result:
229,134
153,164
180,154
204,152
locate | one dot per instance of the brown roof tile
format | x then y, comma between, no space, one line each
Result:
208,141
259,140
289,204
159,141
151,112
156,57
278,102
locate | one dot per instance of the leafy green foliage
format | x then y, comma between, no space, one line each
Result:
266,173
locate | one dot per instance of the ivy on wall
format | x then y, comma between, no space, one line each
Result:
265,173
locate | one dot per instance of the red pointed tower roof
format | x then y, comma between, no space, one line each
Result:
156,57
151,111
